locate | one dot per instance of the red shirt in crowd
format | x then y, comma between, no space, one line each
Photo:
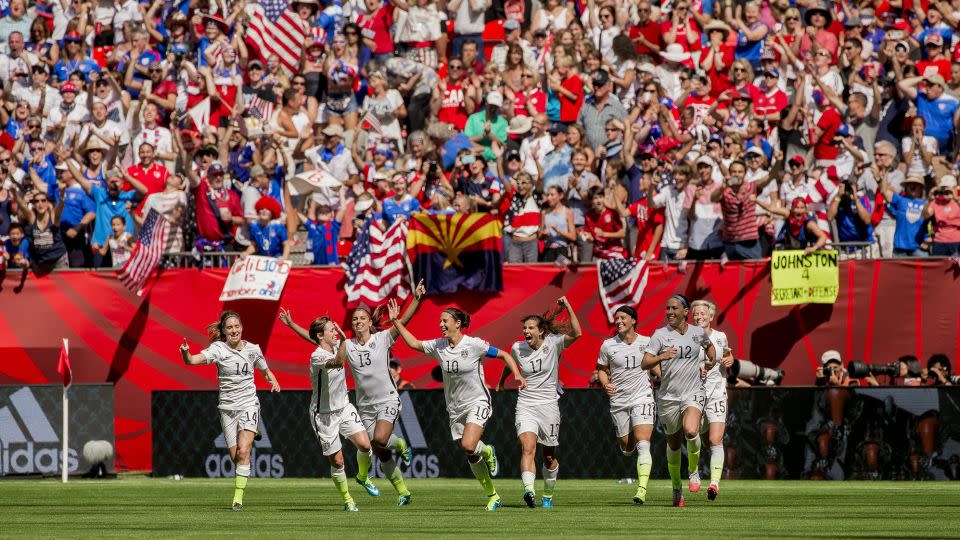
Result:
570,108
941,66
453,105
536,97
691,26
739,213
650,31
208,223
829,122
647,223
154,177
376,27
607,221
701,106
720,80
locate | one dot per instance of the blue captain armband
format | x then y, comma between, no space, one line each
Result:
492,352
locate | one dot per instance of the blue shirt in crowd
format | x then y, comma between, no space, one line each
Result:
269,239
322,238
107,208
850,228
76,204
910,223
392,208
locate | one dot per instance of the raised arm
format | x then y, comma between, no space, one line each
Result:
286,319
411,309
575,330
393,309
191,359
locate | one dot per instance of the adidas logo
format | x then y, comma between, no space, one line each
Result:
28,442
263,462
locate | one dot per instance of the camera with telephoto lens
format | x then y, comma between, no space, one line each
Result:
754,374
858,369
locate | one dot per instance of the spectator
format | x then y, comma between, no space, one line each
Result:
522,222
171,203
907,209
703,213
78,214
650,223
884,168
323,231
852,211
800,230
600,108
556,227
488,126
934,105
16,248
398,381
120,244
938,371
45,248
567,87
478,184
670,197
401,204
268,237
739,209
217,207
943,210
111,201
603,227
556,165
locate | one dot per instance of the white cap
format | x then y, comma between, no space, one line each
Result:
495,98
829,356
948,181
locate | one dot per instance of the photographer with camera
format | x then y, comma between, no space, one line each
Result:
904,371
831,372
943,209
938,372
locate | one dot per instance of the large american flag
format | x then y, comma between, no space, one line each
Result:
276,29
621,282
146,256
260,108
378,266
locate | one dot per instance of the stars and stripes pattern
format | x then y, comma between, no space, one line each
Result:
622,282
146,256
260,108
275,29
371,123
378,267
819,198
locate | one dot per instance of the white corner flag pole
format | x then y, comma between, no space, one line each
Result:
64,462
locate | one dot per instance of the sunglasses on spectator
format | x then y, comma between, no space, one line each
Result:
300,82
456,66
33,126
612,128
740,69
4,160
794,19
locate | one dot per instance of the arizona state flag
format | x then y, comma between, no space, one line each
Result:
458,250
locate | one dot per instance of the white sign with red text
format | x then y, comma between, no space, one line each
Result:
256,278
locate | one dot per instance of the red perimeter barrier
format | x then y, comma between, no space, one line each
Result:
885,309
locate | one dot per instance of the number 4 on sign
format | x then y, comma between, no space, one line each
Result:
806,273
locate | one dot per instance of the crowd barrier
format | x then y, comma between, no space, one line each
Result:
773,433
31,427
884,309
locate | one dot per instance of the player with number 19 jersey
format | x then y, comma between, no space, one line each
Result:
633,402
466,394
538,410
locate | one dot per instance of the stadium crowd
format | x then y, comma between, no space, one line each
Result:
687,130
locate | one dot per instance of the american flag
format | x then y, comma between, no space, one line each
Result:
621,282
146,256
370,122
260,108
378,266
276,29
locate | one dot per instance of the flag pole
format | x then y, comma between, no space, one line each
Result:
64,465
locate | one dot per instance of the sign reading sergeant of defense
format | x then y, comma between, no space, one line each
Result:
257,278
801,278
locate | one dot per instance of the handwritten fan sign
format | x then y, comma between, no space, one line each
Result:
256,278
799,278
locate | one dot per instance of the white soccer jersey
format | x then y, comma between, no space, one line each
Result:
541,369
680,376
623,359
329,385
235,373
370,365
462,366
715,375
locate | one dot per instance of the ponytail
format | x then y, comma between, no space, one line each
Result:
460,316
215,330
547,323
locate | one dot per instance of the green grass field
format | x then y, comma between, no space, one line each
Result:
144,507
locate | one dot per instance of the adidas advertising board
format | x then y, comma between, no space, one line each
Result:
31,424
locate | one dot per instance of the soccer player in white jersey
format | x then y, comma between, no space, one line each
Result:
715,410
632,406
331,413
468,400
378,400
538,409
676,348
238,404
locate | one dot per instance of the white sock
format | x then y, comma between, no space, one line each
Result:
243,470
643,452
527,478
550,480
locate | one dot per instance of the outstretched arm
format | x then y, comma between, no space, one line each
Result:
286,319
394,309
411,309
191,359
